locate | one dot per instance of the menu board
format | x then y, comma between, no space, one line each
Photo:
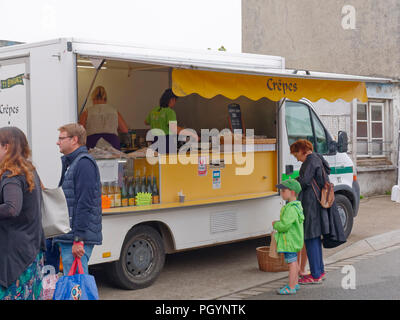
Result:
235,116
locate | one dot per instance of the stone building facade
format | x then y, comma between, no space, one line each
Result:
359,37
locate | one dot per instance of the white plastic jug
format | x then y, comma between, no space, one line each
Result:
395,193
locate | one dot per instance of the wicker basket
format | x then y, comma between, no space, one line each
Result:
266,263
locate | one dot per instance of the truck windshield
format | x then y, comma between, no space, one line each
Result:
302,123
320,135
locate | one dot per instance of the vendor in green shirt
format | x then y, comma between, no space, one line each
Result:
163,117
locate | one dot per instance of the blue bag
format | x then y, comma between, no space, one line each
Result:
76,286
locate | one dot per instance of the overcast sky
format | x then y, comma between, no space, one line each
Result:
178,23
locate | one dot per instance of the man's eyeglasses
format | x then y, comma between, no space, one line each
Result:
62,138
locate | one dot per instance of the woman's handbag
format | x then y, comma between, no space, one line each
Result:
76,286
272,247
327,192
55,217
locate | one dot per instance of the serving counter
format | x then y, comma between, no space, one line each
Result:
212,177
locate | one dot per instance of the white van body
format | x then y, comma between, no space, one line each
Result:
48,98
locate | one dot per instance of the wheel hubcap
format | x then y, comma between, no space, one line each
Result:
139,257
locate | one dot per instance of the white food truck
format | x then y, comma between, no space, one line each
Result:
45,85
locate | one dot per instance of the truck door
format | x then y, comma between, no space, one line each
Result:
299,121
14,94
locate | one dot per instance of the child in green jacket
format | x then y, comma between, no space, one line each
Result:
290,234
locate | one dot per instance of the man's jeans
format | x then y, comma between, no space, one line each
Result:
52,256
68,258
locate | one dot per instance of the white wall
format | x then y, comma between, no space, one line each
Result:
336,116
337,107
52,99
134,96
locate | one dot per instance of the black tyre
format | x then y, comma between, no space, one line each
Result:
346,213
141,261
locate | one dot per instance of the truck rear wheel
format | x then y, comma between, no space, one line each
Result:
141,261
346,213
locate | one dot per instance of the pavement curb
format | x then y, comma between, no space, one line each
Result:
337,266
370,246
365,246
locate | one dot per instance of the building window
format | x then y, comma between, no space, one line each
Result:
370,129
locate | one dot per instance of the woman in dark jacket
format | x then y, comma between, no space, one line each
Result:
22,238
316,220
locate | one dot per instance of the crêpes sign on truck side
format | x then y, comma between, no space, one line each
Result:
165,203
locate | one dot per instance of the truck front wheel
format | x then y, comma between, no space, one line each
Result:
141,261
346,213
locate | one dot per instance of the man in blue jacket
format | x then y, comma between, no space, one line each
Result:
80,181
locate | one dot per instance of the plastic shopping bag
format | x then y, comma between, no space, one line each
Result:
49,283
76,286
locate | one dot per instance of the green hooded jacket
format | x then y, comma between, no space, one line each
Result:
290,232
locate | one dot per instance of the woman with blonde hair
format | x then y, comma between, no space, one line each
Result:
22,239
102,120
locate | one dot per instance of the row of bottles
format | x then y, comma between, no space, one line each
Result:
112,191
125,196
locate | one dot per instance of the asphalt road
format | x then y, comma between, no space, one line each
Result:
198,274
210,273
376,278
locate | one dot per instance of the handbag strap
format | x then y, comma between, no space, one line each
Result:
316,186
76,264
314,182
323,169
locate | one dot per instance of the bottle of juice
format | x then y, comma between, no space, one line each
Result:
138,187
124,195
149,188
143,185
131,194
104,196
110,193
148,184
117,194
104,191
155,193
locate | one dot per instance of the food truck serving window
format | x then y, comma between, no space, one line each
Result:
232,85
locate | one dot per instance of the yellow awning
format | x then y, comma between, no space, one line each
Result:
208,84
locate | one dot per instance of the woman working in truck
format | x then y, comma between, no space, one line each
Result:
163,117
102,121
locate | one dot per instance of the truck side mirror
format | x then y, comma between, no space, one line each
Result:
343,142
289,169
332,147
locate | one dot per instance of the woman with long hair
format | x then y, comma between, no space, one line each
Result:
22,239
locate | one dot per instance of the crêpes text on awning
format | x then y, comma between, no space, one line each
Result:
208,84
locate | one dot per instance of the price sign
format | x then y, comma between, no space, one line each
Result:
235,116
